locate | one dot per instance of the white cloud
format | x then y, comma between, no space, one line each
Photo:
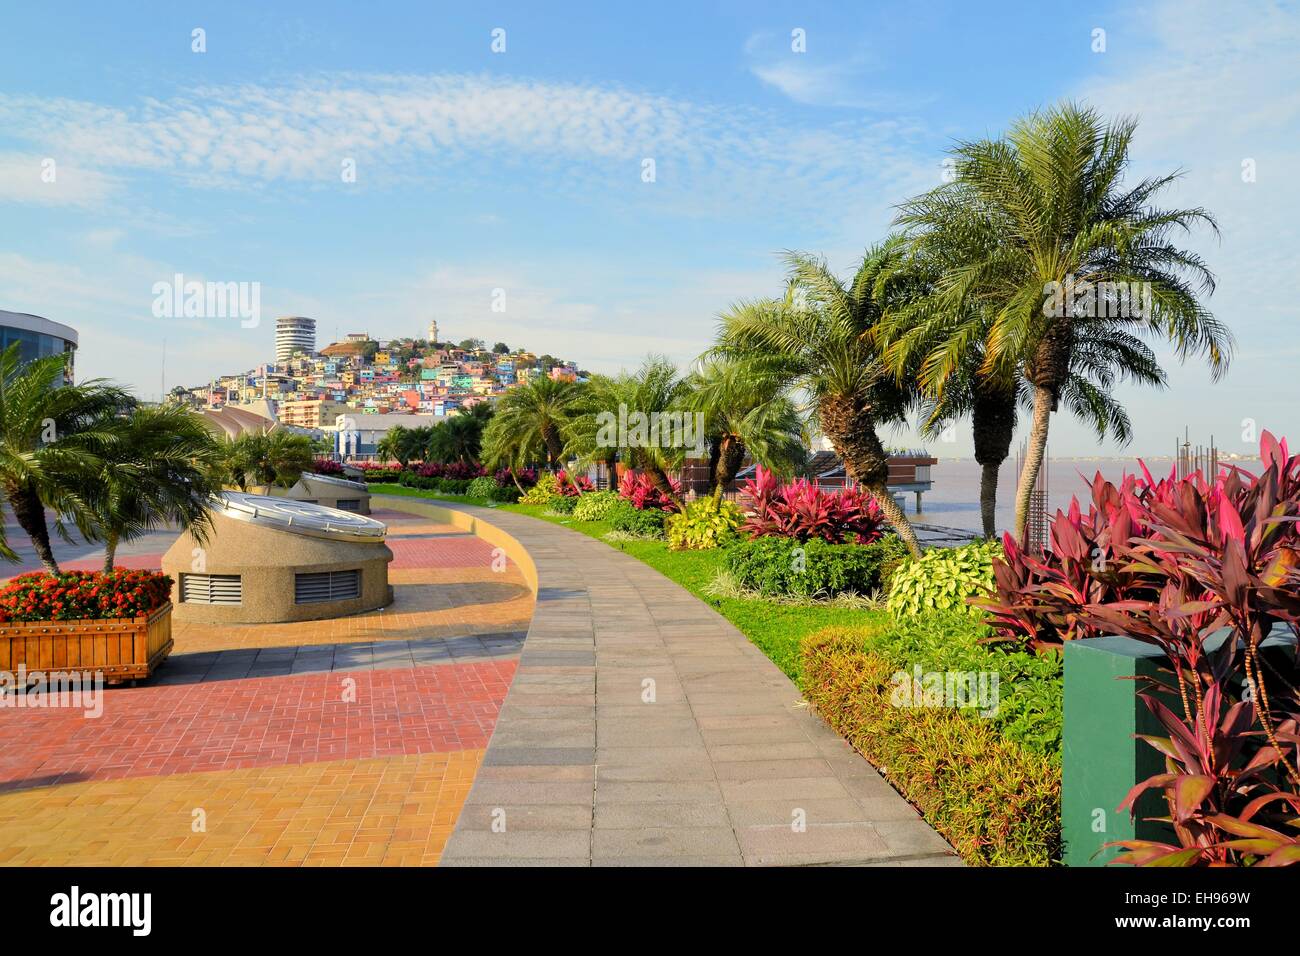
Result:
817,79
397,127
45,180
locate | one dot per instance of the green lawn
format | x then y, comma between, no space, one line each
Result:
776,628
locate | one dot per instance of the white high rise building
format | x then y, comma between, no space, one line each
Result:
433,331
293,333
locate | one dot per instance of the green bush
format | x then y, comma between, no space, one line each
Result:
506,493
783,566
644,524
706,523
942,579
980,782
1029,685
446,486
542,492
595,505
484,489
563,504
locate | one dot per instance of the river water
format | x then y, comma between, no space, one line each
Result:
953,502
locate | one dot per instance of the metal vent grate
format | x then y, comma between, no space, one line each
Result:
316,586
212,589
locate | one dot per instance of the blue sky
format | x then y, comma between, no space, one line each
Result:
522,170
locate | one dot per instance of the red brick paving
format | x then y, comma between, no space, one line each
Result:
254,722
443,551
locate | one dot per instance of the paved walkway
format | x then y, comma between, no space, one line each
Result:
349,741
642,728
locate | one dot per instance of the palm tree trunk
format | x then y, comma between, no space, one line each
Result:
110,552
732,454
659,479
715,462
554,447
993,423
896,518
989,497
1033,459
30,515
852,431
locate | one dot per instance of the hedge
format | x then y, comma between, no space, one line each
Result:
774,566
996,800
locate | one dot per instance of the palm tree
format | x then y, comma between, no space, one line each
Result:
460,437
265,458
392,446
51,436
157,469
530,423
415,443
819,340
656,388
1073,244
745,412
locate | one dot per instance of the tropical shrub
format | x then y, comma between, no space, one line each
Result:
570,487
804,511
527,477
1216,554
595,505
327,466
706,523
787,567
456,470
1172,563
643,523
484,488
508,494
77,595
541,493
636,488
387,472
1030,686
446,486
943,579
995,798
563,504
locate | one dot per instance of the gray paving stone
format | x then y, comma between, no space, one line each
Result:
664,841
563,816
712,773
627,816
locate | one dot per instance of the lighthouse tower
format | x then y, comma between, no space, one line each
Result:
433,332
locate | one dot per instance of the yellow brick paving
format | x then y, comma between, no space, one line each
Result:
389,811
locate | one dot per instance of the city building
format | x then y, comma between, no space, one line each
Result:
293,334
37,337
312,413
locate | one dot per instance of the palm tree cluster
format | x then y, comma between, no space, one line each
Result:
1005,289
1003,292
96,459
458,438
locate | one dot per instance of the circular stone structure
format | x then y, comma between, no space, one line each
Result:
270,560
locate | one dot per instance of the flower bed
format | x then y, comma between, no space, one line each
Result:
83,595
117,625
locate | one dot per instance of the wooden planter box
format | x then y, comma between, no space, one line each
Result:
127,648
